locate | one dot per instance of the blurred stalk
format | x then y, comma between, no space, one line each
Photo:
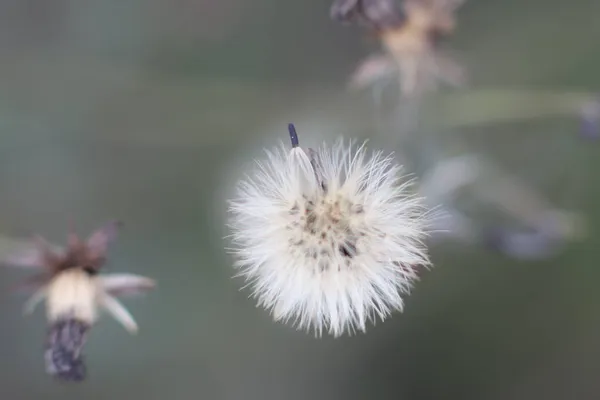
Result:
491,106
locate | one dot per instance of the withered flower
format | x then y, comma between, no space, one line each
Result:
410,37
70,283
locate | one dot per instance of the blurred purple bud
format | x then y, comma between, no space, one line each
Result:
522,245
590,120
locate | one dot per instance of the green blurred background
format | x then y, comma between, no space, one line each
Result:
150,110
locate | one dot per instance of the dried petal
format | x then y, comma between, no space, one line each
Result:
119,312
123,284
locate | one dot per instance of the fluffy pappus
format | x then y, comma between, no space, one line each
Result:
74,292
328,238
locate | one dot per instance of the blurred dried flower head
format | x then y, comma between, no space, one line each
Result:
68,280
410,37
328,238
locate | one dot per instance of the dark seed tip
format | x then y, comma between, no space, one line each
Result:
293,135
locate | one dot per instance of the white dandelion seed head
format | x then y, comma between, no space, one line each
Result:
328,238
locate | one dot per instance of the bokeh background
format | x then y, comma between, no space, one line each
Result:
150,110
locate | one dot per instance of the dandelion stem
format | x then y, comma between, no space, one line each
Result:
293,135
